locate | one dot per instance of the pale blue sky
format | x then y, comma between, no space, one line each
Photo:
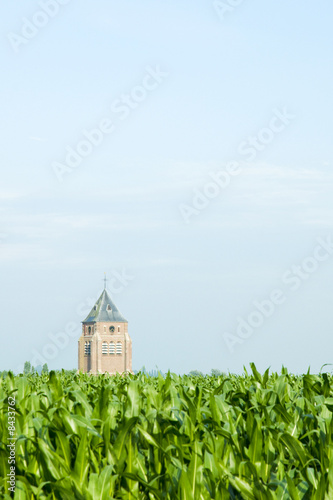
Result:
120,208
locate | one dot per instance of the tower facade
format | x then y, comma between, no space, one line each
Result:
105,345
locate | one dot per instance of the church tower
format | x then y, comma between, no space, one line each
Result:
105,345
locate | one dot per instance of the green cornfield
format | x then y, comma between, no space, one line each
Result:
169,437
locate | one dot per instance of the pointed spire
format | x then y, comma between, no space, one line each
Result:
104,310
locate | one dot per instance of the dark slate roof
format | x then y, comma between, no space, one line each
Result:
104,310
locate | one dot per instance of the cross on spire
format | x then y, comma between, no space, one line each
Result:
105,281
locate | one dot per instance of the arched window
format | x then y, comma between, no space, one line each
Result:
87,348
111,348
104,348
119,348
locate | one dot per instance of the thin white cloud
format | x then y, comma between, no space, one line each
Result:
6,195
33,138
261,195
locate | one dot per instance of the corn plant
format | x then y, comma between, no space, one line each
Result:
169,437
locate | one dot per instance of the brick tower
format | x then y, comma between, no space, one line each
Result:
105,345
